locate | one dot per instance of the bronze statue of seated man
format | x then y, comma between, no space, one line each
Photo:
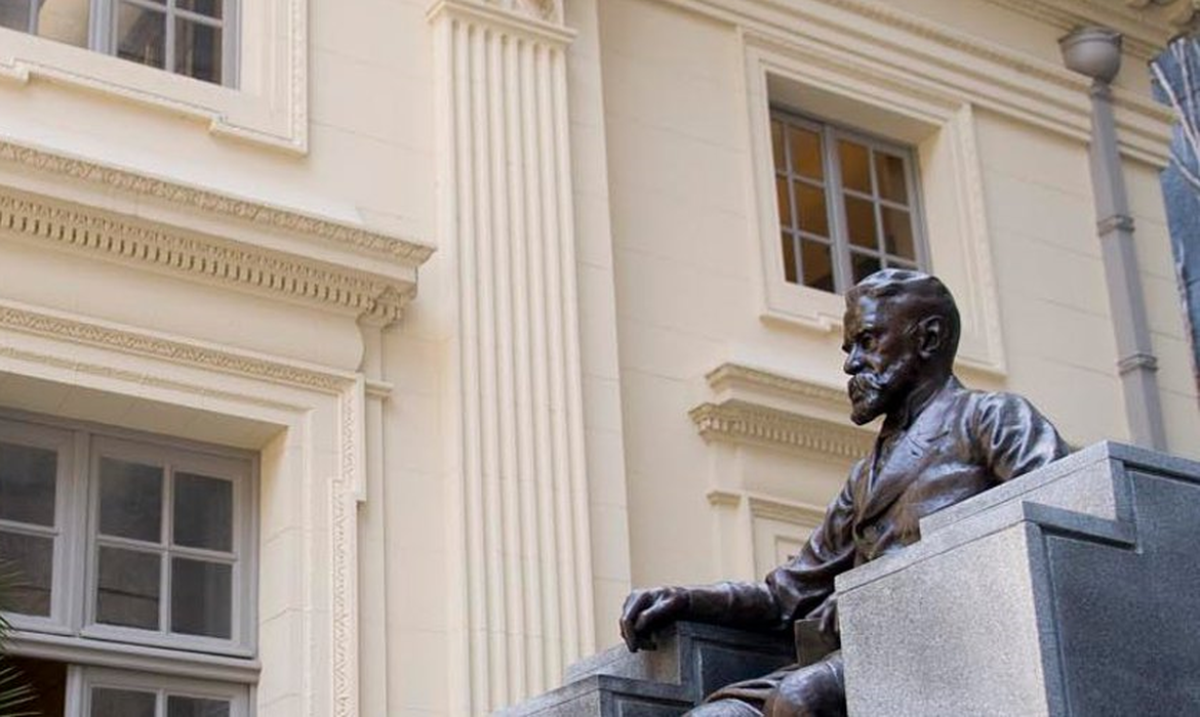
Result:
939,444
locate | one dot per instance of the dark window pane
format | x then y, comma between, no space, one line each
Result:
14,14
109,702
856,171
863,265
814,216
889,172
785,202
898,233
28,562
203,512
777,148
131,496
142,35
211,8
196,707
789,258
201,597
48,680
860,223
198,50
818,266
27,484
806,152
129,588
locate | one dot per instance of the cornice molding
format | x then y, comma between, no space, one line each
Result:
205,259
954,62
341,236
89,332
1147,25
732,376
770,507
742,422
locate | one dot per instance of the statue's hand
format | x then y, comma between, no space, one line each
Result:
647,610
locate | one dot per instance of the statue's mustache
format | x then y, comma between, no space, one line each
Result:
861,384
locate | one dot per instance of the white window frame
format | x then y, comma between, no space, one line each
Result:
103,32
70,634
81,680
265,101
841,249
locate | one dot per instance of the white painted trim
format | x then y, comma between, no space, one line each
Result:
940,122
269,107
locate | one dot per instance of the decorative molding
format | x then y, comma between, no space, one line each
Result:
195,256
1146,25
348,486
732,375
942,60
535,20
273,114
764,506
742,422
334,234
177,351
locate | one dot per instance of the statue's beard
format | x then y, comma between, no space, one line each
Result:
874,394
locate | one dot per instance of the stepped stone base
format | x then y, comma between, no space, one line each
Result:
1072,591
691,661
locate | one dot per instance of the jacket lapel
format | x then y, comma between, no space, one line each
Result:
904,464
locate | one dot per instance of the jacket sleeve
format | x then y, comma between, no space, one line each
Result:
1013,438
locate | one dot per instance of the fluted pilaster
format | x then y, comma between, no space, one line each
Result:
506,224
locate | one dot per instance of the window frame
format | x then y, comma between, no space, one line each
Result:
75,576
102,34
841,250
81,680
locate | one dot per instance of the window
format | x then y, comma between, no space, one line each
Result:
128,546
847,204
186,37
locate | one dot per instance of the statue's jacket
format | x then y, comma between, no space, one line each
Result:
961,443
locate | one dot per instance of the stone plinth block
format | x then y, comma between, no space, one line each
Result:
1073,590
691,660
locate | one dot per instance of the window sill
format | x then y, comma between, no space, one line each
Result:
269,108
98,653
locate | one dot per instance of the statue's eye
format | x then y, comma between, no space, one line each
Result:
867,342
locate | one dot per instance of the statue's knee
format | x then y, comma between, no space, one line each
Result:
815,691
724,708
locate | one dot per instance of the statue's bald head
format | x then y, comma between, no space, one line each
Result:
910,297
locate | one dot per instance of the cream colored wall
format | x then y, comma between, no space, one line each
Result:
688,285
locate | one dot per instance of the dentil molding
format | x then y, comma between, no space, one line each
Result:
276,252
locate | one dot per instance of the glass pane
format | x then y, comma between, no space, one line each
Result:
142,35
195,707
28,562
776,144
806,152
860,222
201,597
203,512
198,50
898,233
863,265
129,588
818,266
785,203
27,484
210,8
109,702
810,201
64,21
889,172
789,258
14,14
856,172
131,496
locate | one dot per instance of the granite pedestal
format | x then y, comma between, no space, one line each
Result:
1073,590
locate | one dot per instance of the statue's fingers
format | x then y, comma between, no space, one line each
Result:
661,611
634,605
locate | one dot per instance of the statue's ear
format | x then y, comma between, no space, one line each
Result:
932,336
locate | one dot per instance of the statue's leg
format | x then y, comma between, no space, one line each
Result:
725,708
818,690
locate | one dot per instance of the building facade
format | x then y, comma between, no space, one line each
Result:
247,466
